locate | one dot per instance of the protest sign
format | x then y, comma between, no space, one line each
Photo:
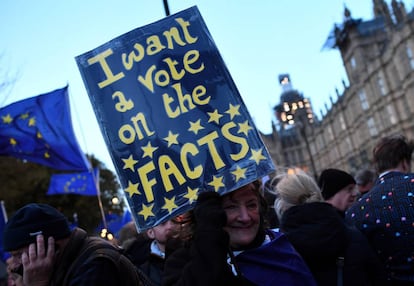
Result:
172,117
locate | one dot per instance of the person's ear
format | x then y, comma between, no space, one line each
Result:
406,166
150,233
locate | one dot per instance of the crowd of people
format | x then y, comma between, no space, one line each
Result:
342,229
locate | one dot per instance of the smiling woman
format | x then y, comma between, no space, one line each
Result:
232,246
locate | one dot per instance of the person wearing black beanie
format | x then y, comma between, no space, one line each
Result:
45,251
338,188
31,220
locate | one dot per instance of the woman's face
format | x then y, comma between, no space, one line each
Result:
243,216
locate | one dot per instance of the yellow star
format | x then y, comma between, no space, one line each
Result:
148,150
47,155
132,189
13,142
146,211
7,119
239,173
39,135
24,115
217,183
257,156
169,204
129,163
244,127
214,116
171,138
32,121
233,110
195,126
191,194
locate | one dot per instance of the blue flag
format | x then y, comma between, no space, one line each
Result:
83,184
115,222
3,220
172,117
39,129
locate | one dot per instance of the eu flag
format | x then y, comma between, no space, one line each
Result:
84,184
39,129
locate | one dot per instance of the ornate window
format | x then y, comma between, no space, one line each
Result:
363,99
371,127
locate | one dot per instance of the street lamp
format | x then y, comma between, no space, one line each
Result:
115,200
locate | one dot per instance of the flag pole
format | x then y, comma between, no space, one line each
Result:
166,8
96,179
102,210
3,210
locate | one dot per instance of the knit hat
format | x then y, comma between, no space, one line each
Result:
332,181
31,220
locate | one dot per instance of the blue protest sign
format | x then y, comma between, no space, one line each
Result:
172,117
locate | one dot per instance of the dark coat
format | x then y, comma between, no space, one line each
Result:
76,265
151,266
386,216
320,235
138,250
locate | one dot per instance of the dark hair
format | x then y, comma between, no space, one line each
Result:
391,151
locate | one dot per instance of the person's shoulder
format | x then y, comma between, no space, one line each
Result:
138,250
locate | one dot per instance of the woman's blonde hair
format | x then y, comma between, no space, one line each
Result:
295,188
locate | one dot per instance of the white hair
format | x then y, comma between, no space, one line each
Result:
295,188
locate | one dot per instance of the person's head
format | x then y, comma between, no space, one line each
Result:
338,188
393,152
245,208
29,221
295,189
127,233
365,179
163,232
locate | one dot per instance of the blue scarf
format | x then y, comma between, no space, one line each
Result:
275,263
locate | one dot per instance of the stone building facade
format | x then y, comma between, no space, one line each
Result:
378,57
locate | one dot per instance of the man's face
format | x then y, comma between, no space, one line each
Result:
164,231
343,199
243,216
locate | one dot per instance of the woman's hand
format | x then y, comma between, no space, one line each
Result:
208,212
